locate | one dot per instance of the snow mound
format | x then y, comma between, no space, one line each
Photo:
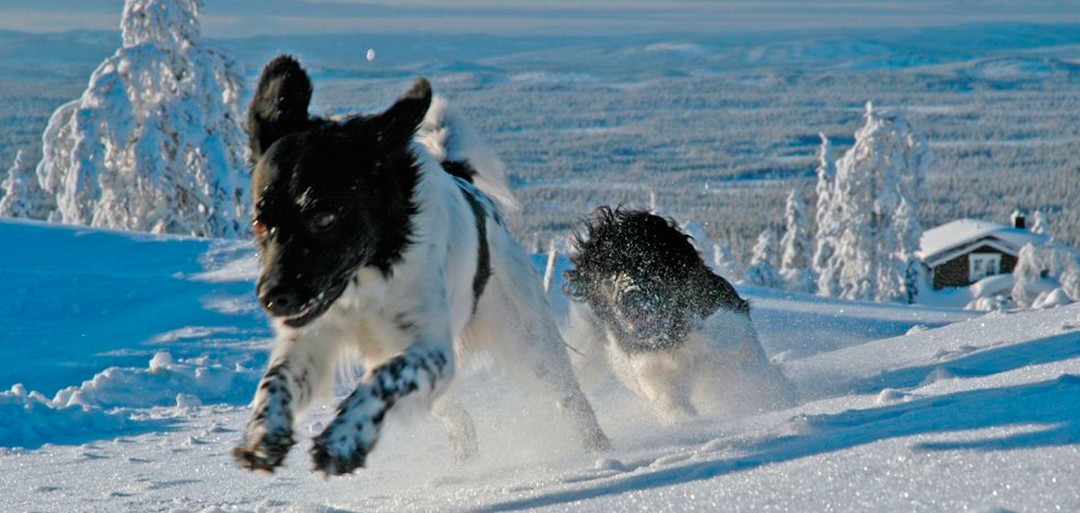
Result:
160,383
1051,299
32,420
105,404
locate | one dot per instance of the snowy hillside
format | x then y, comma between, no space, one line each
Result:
128,359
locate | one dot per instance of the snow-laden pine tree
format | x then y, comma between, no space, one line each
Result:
763,262
1041,269
826,218
22,194
1027,276
725,263
908,231
700,240
883,172
156,141
796,246
1039,224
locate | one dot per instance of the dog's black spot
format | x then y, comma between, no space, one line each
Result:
422,364
461,169
330,196
483,256
644,280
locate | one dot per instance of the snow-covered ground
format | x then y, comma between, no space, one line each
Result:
128,360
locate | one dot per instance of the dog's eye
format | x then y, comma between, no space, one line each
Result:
260,229
322,222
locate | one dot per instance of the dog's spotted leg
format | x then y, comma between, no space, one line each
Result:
344,445
298,370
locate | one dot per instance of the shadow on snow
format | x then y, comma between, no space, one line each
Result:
1050,404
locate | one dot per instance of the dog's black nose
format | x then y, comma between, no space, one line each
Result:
279,302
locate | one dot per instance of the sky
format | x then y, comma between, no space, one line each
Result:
242,18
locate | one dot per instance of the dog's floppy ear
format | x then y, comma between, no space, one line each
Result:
280,105
396,126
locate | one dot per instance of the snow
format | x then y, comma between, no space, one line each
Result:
902,408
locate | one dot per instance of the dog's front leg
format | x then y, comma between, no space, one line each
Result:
344,445
299,369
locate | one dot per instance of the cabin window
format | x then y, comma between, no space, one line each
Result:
981,265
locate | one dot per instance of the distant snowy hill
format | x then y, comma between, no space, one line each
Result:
713,124
129,358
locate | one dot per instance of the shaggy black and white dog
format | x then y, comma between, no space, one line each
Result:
648,308
379,237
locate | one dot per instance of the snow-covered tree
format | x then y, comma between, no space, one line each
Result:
881,174
1070,282
795,246
1042,269
762,269
22,193
1027,276
725,263
156,141
827,223
908,231
700,240
1039,224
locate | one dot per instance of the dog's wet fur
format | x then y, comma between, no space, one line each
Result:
648,308
379,237
644,279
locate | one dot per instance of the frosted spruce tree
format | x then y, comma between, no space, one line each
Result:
826,219
1039,224
1041,268
796,246
909,268
700,240
725,263
881,174
1027,275
22,194
155,143
762,269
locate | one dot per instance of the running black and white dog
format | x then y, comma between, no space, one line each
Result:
648,308
380,237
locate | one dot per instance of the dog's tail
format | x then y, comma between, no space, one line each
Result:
462,153
280,104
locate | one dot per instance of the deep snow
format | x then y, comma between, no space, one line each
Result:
137,355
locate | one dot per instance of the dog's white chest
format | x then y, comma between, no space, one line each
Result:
366,292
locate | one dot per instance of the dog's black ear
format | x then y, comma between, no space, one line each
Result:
397,125
280,105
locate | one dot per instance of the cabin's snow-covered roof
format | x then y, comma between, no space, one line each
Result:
937,242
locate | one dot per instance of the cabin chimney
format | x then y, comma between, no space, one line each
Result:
1019,219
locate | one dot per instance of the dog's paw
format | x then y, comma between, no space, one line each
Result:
265,455
336,455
